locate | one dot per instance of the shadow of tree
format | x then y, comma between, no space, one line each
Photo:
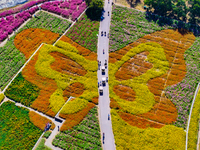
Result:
94,14
175,24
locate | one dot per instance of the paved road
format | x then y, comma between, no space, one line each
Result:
104,101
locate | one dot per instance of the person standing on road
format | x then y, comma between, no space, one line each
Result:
103,137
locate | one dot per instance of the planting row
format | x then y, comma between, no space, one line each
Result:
86,135
68,9
18,130
27,42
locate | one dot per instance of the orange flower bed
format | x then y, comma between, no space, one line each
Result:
139,121
40,121
65,65
82,51
47,86
134,67
163,112
114,104
29,40
75,89
174,45
124,92
95,100
74,119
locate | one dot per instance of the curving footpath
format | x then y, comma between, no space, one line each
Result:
104,100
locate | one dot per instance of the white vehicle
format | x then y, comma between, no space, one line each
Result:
103,80
101,90
103,69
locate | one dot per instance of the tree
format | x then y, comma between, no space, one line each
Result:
161,7
96,4
180,9
194,12
88,2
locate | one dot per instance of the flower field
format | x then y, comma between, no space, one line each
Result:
48,75
12,59
84,32
86,135
68,9
165,76
17,131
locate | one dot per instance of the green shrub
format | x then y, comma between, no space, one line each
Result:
47,134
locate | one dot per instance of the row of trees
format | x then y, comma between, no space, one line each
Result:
178,9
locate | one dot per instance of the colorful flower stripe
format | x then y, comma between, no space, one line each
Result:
40,121
29,40
82,51
74,119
